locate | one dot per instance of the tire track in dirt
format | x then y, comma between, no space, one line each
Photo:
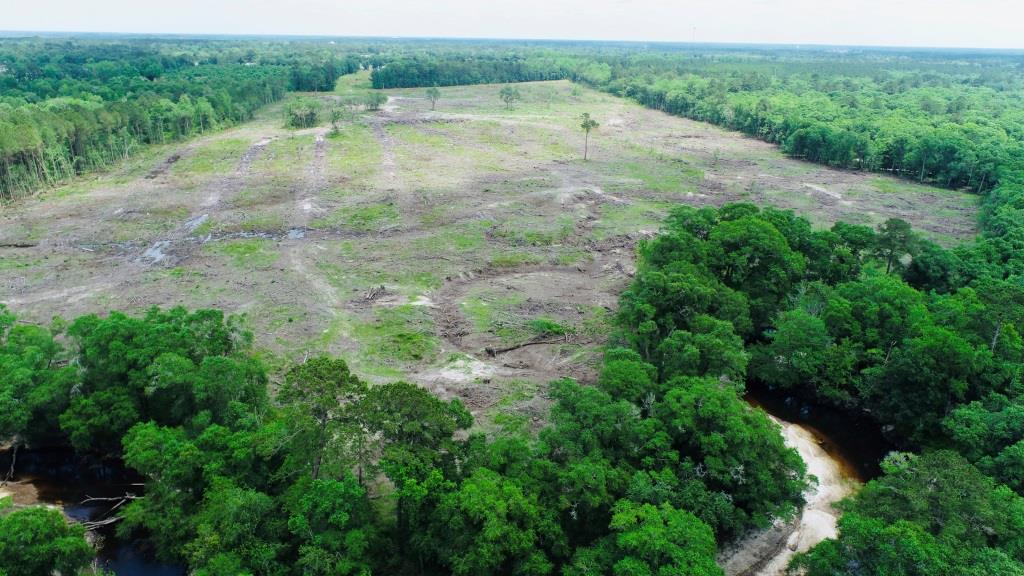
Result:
389,167
315,183
172,248
297,254
233,183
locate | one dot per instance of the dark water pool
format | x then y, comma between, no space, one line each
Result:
65,479
854,441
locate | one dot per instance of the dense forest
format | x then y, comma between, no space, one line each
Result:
651,468
310,470
332,476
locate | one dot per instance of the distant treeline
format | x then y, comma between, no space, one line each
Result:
70,107
458,68
955,121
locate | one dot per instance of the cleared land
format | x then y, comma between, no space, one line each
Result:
417,244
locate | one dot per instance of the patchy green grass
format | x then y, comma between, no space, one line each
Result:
513,258
17,263
260,223
652,171
357,83
403,334
214,157
366,218
885,185
544,326
414,135
489,311
570,256
208,226
286,156
534,231
630,218
597,323
497,313
354,154
269,192
455,238
246,253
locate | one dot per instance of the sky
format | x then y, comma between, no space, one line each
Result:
941,23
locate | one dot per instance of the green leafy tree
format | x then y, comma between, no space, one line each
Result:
166,366
303,112
238,523
38,541
708,348
509,95
321,398
333,523
415,426
801,354
750,255
870,546
625,375
924,379
35,386
433,94
661,541
895,240
928,514
949,498
738,449
489,526
374,100
336,116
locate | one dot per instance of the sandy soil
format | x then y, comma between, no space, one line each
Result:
20,493
768,552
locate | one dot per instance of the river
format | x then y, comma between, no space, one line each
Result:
840,451
59,478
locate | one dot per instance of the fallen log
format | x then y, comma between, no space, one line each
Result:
492,352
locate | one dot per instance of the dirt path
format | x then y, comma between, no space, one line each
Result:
389,180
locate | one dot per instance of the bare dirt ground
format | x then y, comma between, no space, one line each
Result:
418,244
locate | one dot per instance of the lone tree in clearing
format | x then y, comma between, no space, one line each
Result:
510,95
588,124
433,94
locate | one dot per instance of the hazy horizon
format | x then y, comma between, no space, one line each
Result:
985,24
